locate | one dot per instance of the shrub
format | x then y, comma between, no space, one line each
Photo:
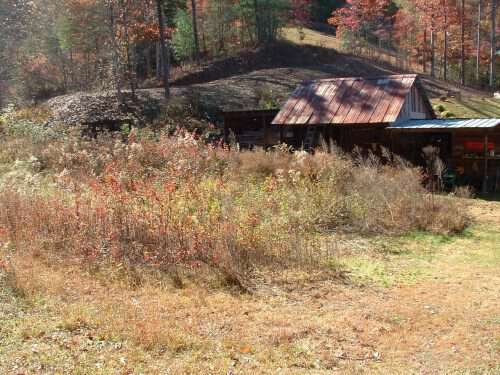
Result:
463,192
172,202
439,108
266,98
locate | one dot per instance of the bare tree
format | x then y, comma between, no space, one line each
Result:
163,49
129,64
445,49
493,51
195,32
478,39
433,48
115,57
462,44
424,54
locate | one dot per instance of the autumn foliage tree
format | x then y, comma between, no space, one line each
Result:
50,47
365,20
450,39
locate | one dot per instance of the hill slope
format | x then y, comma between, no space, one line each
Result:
264,77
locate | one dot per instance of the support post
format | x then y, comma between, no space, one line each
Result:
391,135
226,131
264,130
485,181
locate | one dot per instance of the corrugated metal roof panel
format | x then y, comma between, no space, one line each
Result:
400,90
325,111
346,102
379,111
289,105
447,124
357,102
353,100
362,113
303,103
315,101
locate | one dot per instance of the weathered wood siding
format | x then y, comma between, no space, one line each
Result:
474,165
414,107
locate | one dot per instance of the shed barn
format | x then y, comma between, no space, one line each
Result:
351,111
374,112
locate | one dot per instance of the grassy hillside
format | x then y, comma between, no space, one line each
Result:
470,106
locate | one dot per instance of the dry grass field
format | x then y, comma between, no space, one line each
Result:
162,255
414,304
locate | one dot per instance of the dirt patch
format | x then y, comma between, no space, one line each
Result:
485,212
279,55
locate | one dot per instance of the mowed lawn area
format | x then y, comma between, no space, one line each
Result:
470,106
421,303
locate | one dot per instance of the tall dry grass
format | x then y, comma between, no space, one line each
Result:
174,203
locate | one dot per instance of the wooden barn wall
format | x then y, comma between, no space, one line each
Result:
414,106
348,137
251,128
474,164
452,151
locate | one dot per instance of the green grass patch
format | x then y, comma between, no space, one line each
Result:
483,248
365,270
409,258
470,107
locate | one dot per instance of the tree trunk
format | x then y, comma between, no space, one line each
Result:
195,33
220,27
445,52
493,51
163,49
433,51
130,74
462,44
478,41
147,57
158,61
424,54
258,33
72,71
115,55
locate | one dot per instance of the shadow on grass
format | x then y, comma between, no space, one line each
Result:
283,54
490,197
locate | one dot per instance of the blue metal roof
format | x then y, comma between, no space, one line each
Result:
454,123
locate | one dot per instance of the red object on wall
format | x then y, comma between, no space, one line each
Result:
476,146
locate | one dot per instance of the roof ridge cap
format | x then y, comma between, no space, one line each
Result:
366,78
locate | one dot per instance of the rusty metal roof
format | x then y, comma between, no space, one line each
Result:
354,100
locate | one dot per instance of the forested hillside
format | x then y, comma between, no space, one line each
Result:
454,40
53,47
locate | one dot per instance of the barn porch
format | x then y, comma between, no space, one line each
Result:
469,148
251,128
345,137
